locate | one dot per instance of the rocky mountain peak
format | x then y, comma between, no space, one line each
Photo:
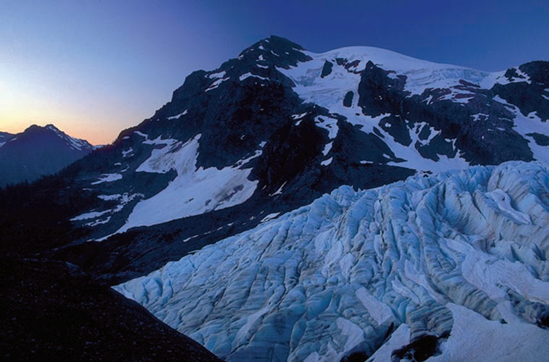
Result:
275,51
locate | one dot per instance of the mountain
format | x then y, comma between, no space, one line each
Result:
450,266
36,152
278,127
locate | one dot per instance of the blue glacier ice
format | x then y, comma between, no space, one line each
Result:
460,255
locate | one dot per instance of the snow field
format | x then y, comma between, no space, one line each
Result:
194,191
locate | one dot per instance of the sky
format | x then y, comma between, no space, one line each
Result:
96,67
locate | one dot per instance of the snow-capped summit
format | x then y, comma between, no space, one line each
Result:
278,126
36,152
74,143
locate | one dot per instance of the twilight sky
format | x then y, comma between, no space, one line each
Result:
96,67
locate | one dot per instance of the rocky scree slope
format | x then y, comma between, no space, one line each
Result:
52,311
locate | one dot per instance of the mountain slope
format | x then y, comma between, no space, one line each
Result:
53,311
36,152
435,266
5,137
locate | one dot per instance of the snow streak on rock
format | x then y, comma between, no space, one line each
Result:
427,262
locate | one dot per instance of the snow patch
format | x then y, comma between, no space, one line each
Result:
475,338
270,217
216,83
279,191
90,215
327,148
109,197
329,124
299,116
193,191
526,125
326,162
248,75
108,177
127,153
178,115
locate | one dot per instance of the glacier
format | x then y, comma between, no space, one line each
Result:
330,91
460,256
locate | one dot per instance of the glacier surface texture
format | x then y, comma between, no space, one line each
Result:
455,262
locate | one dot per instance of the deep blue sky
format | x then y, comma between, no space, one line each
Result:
95,67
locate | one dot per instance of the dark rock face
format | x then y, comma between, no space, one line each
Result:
327,69
53,311
348,100
487,142
36,152
527,95
378,93
540,139
291,150
421,349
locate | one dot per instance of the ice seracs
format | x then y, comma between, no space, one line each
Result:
331,89
455,259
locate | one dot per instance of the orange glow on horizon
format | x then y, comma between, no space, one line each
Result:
96,133
97,117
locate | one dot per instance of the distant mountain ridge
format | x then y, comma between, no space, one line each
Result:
36,152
